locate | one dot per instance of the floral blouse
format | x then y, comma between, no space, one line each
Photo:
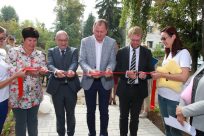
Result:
32,86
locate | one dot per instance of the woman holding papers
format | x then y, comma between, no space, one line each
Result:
26,94
192,102
168,95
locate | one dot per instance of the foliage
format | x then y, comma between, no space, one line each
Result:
137,11
110,10
8,125
68,19
87,28
158,51
8,13
13,28
185,15
46,39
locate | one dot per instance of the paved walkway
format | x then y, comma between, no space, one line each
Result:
47,123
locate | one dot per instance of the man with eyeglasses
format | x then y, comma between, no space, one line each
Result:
134,60
63,83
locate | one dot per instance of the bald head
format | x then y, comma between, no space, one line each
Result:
62,39
61,32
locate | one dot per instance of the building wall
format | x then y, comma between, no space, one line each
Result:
153,36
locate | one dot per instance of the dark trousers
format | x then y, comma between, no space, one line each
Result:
130,103
199,133
65,102
3,113
103,96
26,118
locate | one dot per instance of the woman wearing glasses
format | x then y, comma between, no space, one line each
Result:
4,80
168,98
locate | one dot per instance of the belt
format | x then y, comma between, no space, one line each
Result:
64,81
97,79
132,85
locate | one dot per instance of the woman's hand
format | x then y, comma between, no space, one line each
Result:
142,75
42,70
156,75
20,73
180,116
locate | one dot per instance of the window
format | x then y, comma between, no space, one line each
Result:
149,44
149,29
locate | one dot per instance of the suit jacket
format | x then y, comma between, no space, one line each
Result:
87,60
145,65
196,109
55,63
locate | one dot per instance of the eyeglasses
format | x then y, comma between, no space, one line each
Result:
164,38
2,38
135,40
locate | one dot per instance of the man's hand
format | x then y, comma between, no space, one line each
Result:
70,73
60,73
95,73
108,73
132,74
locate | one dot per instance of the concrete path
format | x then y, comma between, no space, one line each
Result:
47,123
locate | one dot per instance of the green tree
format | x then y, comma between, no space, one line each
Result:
137,11
110,10
87,29
12,28
69,14
46,39
185,15
8,13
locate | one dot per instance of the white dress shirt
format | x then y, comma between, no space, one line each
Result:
137,59
98,47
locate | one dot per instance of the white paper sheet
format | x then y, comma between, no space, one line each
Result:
173,122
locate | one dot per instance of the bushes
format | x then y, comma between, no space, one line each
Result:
8,125
158,53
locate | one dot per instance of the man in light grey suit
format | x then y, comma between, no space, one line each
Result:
63,83
97,60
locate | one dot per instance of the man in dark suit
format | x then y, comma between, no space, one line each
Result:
97,54
134,60
63,83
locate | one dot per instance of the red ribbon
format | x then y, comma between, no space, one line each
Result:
30,69
152,102
20,81
102,73
20,87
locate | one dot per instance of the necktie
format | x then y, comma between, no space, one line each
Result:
63,53
132,67
63,59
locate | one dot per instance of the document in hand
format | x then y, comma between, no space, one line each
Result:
173,122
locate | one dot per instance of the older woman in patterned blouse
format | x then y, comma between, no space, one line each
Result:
25,107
